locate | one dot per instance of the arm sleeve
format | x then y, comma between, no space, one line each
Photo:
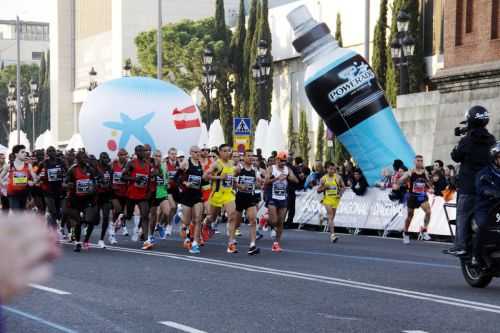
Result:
458,153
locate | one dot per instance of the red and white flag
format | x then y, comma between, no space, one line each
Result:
186,118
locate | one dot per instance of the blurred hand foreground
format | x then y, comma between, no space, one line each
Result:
27,250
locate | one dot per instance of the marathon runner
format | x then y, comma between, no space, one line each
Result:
137,173
160,207
332,186
419,183
119,186
277,178
104,197
4,201
221,174
191,174
36,190
172,165
206,161
81,203
247,199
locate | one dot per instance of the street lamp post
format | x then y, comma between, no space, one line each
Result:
127,68
261,71
12,105
92,79
208,81
33,102
402,49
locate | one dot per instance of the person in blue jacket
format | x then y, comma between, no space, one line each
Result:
488,192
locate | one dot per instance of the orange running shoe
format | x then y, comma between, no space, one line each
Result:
231,248
147,245
276,247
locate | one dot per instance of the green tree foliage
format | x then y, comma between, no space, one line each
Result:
338,30
380,45
237,54
341,154
253,88
304,143
417,63
292,134
220,21
42,116
320,141
392,75
9,74
247,56
266,93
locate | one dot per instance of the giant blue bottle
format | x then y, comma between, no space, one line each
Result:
344,91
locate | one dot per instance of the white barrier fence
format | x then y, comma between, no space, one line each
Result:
373,211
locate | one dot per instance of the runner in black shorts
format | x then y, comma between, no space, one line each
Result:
246,198
104,196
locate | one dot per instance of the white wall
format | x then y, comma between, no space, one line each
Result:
8,51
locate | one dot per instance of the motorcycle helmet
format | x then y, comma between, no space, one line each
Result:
476,117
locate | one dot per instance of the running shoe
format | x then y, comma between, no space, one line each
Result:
187,244
426,236
101,245
191,230
231,248
215,229
333,238
78,247
237,232
206,232
125,231
148,245
177,219
276,247
86,245
112,240
406,238
258,236
161,231
253,250
201,242
273,233
168,230
195,249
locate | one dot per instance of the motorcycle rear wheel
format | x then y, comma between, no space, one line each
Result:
475,277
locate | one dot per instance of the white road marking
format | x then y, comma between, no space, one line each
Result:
414,332
181,327
38,319
50,290
323,279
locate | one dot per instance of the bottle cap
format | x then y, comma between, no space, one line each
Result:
307,30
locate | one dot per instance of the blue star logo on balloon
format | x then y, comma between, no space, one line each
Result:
126,112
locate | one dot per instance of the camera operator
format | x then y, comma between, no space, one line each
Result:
473,154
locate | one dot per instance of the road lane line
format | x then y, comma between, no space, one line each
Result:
48,289
38,319
181,327
322,279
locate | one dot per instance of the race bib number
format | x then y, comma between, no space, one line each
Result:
141,180
228,182
54,175
195,181
331,191
279,190
84,186
418,187
117,178
20,178
106,179
248,184
160,180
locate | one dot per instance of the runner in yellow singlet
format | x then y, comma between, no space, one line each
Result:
332,186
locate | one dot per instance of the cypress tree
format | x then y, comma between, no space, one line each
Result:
253,88
247,55
220,21
320,141
380,45
341,154
304,144
266,93
292,135
237,54
416,67
338,30
329,151
392,75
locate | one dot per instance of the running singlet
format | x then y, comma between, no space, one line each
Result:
84,184
279,189
247,179
118,185
194,175
226,185
51,176
172,169
418,184
138,186
17,182
331,187
104,180
161,184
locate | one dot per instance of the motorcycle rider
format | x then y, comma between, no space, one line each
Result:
473,154
488,194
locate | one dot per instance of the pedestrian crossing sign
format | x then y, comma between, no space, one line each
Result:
242,126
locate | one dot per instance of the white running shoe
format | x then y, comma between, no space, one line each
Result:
112,240
168,230
273,234
135,235
124,231
426,236
406,238
101,245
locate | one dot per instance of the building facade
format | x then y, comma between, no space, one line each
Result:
34,42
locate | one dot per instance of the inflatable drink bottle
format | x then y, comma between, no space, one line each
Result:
344,91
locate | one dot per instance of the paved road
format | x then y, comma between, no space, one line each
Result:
361,284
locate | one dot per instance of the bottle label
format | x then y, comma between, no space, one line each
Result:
346,95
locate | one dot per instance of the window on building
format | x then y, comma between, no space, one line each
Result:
36,55
495,18
459,22
469,16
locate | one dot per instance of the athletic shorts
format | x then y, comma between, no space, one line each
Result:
176,195
277,203
121,200
245,201
331,202
205,194
190,198
219,199
415,201
103,198
155,202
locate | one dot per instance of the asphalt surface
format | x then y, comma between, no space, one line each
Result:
360,284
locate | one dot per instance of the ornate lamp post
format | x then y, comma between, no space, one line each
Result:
402,49
92,79
261,71
33,102
11,104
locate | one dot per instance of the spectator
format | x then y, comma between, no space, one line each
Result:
438,182
359,183
451,175
314,177
398,193
292,187
385,180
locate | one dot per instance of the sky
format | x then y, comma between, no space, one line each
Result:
28,10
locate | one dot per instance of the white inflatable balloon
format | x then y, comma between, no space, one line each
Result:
261,135
23,140
126,112
215,134
75,142
275,139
